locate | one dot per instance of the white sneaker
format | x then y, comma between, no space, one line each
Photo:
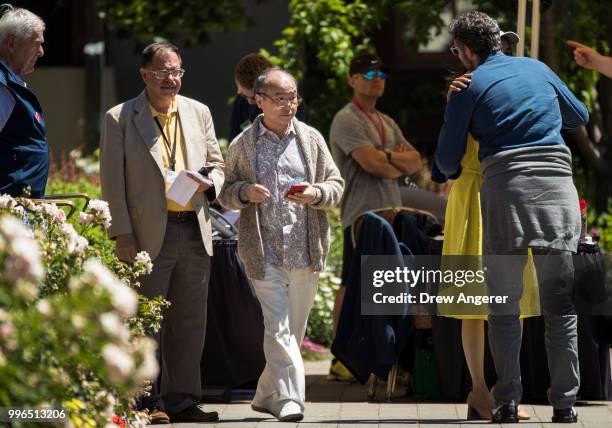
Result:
290,412
262,409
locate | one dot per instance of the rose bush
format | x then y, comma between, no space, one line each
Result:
72,327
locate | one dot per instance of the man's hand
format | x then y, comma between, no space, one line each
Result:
126,247
305,197
460,83
401,147
257,193
202,188
591,59
585,56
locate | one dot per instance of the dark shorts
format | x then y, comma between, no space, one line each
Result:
347,256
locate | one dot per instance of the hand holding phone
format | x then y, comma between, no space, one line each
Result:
301,192
297,188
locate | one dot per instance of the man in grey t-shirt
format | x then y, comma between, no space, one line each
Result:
371,153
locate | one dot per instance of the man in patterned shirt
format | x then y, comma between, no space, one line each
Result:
283,236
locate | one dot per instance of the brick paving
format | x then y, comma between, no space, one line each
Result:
343,405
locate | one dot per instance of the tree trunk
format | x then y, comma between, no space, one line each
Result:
548,38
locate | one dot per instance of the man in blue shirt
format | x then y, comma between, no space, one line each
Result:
24,154
516,108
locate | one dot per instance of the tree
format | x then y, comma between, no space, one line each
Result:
318,45
191,20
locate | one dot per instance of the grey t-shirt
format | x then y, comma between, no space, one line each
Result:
363,192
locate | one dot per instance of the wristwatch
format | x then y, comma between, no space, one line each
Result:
388,152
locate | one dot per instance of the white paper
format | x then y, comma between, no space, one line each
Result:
199,177
185,186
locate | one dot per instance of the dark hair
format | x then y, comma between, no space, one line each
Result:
262,79
149,52
478,31
249,68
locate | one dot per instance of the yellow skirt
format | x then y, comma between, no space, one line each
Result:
463,237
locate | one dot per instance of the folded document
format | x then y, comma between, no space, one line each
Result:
185,185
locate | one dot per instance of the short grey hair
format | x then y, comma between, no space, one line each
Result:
262,79
18,22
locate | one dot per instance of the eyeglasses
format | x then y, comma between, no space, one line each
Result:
164,74
371,74
283,99
454,50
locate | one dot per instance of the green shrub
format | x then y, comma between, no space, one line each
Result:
320,323
72,330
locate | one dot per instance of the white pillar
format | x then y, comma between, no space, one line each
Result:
535,29
520,27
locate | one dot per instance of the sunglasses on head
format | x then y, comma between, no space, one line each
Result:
371,74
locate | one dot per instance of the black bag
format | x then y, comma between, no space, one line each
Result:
590,275
425,382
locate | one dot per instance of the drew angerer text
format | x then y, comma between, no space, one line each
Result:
425,298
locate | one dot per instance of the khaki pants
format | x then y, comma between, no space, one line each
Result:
181,273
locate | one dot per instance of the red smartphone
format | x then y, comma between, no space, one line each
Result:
297,188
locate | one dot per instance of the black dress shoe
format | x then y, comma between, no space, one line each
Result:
194,413
565,416
506,414
158,417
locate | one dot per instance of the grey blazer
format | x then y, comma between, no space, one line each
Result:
131,169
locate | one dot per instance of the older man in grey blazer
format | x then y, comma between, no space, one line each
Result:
284,233
145,143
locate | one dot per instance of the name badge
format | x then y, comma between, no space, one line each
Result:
170,176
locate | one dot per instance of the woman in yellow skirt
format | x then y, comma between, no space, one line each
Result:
463,237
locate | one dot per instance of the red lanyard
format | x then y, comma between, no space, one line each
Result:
381,131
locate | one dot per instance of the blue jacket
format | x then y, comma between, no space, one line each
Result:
511,102
24,154
365,343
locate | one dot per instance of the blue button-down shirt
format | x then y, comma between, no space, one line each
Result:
511,102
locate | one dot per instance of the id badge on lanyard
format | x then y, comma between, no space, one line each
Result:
170,176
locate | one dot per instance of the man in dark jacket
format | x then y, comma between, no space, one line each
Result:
24,154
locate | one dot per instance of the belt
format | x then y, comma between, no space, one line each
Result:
182,215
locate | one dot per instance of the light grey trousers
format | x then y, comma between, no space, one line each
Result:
181,273
555,280
286,297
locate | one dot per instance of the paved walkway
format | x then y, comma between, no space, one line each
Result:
340,404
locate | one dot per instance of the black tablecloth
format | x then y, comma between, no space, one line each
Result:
233,349
593,351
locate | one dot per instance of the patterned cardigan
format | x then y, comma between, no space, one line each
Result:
322,173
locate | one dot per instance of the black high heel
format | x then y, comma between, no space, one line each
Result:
473,415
